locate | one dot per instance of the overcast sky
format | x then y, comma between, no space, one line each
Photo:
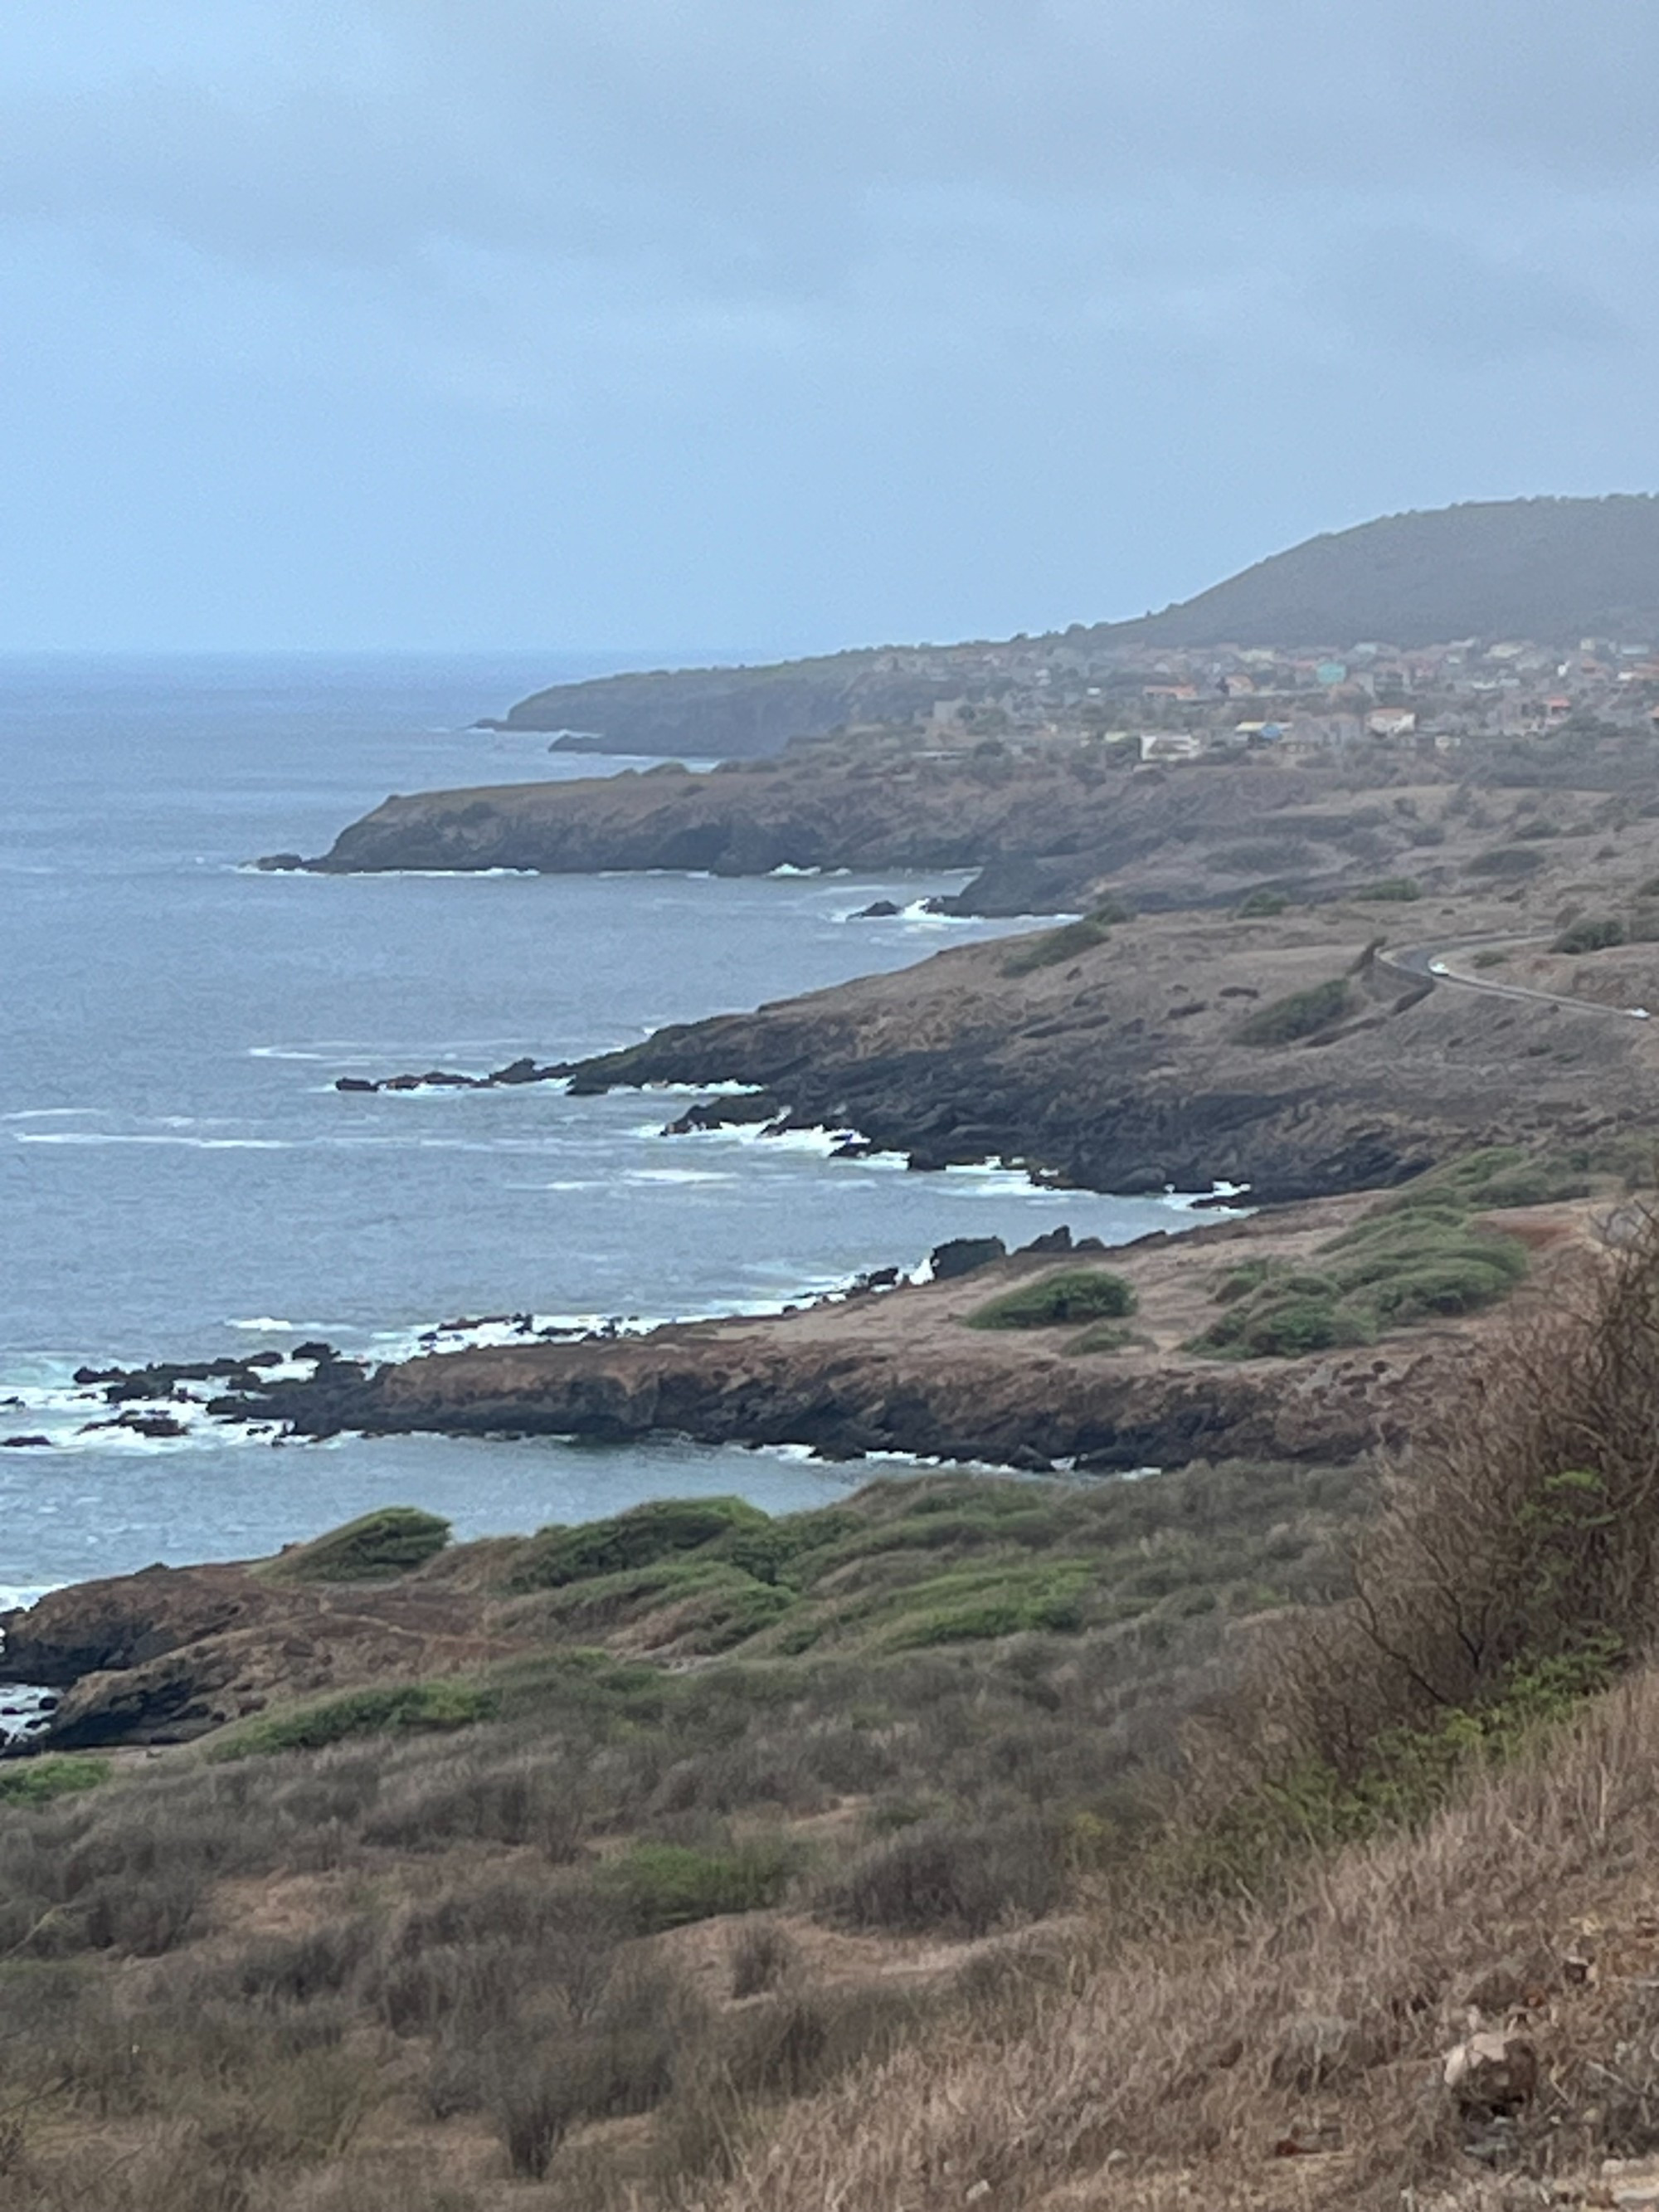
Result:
784,324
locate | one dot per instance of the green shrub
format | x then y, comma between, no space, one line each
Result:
377,1546
713,1604
1491,958
1494,1177
1104,1336
1506,862
639,1537
1593,934
971,1605
1056,945
1303,1013
1394,891
1286,1325
446,1703
1399,1264
1071,1294
658,1886
1462,1284
41,1781
1261,905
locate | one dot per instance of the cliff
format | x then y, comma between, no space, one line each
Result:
1047,832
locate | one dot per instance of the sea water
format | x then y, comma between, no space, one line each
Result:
181,1179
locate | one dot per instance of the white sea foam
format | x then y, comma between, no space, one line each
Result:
14,1596
674,1175
151,1137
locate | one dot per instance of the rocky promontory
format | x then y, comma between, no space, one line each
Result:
1046,832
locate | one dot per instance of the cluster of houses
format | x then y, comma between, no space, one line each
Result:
1178,705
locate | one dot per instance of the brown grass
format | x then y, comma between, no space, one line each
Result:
1196,2050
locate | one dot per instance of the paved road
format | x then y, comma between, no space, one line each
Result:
1432,961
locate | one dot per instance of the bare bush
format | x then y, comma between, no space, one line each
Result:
762,1955
1521,1530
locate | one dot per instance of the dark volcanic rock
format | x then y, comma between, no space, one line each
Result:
740,1111
963,1255
24,1444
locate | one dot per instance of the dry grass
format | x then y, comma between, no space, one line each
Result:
1196,2051
520,1964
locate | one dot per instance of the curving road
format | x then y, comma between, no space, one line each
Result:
1431,961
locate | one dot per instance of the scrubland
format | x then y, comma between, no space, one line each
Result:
1033,1845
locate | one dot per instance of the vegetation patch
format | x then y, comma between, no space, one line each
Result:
1302,1014
1267,857
1417,1257
1104,1336
448,1703
377,1546
660,1529
1487,1180
970,1604
1595,933
44,1780
658,1885
1050,947
1506,863
1070,1294
1393,890
700,1604
1260,905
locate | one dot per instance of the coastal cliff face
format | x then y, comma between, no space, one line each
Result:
1127,1066
906,1372
1047,834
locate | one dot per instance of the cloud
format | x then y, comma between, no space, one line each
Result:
958,249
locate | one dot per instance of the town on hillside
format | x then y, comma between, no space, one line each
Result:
1161,704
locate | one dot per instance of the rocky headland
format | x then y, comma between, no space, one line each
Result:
1047,833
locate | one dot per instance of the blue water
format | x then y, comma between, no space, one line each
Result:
179,1178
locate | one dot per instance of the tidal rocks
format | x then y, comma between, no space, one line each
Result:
880,910
742,1110
524,1070
25,1444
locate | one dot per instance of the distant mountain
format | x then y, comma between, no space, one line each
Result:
1553,570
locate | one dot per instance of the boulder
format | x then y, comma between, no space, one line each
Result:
878,910
963,1255
23,1444
1057,1240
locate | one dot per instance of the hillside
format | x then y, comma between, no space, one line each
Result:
1253,1837
1550,569
1554,570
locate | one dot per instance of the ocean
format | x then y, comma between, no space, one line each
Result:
180,1179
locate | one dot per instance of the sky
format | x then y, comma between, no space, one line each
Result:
774,325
